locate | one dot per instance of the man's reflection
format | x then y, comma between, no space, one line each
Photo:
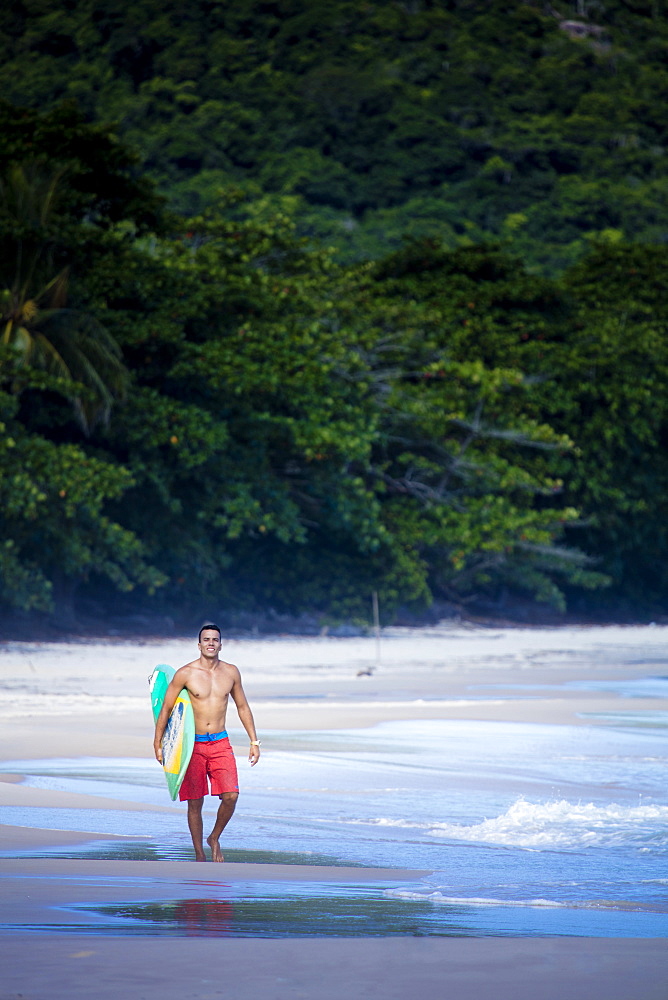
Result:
204,917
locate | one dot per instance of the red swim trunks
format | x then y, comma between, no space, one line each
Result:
216,761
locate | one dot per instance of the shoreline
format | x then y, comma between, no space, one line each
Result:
94,635
57,702
92,957
157,628
78,700
27,838
64,701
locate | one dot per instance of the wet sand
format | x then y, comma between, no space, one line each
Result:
328,969
53,964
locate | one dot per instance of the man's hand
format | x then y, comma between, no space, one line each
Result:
254,754
158,753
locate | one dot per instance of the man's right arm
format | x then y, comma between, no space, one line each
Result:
177,683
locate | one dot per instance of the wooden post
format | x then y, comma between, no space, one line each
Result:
376,624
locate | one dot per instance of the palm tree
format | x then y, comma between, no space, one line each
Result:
34,319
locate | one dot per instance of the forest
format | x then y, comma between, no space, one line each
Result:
303,302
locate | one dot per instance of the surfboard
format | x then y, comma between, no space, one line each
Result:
178,740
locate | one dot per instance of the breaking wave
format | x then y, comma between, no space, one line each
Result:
559,825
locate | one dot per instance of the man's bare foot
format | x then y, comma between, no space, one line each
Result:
216,853
200,856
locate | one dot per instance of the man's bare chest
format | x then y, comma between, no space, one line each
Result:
205,688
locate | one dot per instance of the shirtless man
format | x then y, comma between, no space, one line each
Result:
209,682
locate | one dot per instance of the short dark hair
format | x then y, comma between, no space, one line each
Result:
205,627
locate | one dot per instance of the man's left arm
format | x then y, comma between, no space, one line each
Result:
246,718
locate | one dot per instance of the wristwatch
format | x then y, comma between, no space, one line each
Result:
255,743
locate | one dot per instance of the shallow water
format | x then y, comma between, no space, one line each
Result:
527,829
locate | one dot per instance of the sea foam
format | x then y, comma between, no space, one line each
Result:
556,825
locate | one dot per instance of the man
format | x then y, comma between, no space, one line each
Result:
209,682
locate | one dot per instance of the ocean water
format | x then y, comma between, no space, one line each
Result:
521,829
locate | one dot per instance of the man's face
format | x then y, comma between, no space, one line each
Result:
209,642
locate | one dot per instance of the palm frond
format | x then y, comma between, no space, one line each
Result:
56,290
44,333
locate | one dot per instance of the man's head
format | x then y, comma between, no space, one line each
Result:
207,631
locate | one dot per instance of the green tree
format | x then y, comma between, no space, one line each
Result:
611,387
34,320
315,433
488,111
64,188
462,462
55,531
239,427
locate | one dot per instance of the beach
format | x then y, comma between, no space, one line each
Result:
459,808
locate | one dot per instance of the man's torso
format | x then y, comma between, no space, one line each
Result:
209,691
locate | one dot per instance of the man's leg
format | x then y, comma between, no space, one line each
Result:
195,827
228,801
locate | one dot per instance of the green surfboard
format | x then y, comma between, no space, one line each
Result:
178,740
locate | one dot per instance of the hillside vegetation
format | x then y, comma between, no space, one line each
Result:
541,124
259,352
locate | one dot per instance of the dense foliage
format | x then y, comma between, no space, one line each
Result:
206,408
543,124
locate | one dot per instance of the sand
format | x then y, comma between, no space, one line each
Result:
90,699
393,969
